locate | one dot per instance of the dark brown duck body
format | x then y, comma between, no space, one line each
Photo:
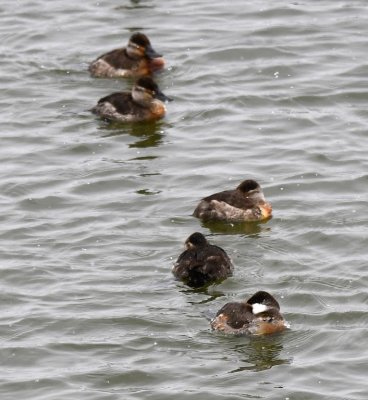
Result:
259,315
136,60
202,263
245,203
144,103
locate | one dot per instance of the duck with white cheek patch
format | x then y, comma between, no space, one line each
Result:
144,103
259,315
135,60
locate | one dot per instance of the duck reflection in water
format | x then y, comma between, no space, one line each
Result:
237,228
204,295
260,353
150,134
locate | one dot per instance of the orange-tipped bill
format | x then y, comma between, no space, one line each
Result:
157,63
266,210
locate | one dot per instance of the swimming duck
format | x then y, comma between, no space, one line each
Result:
259,315
245,203
202,263
144,103
137,59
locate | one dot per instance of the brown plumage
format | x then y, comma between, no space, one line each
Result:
259,315
245,203
135,60
144,103
202,263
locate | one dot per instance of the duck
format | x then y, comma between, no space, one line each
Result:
245,203
259,315
137,59
144,103
202,263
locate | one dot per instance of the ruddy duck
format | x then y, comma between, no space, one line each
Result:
137,59
245,203
259,315
144,103
202,263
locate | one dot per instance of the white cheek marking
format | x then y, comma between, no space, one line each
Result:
258,308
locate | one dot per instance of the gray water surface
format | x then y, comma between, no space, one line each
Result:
94,215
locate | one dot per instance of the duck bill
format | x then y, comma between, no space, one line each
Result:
266,210
161,96
156,63
150,53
